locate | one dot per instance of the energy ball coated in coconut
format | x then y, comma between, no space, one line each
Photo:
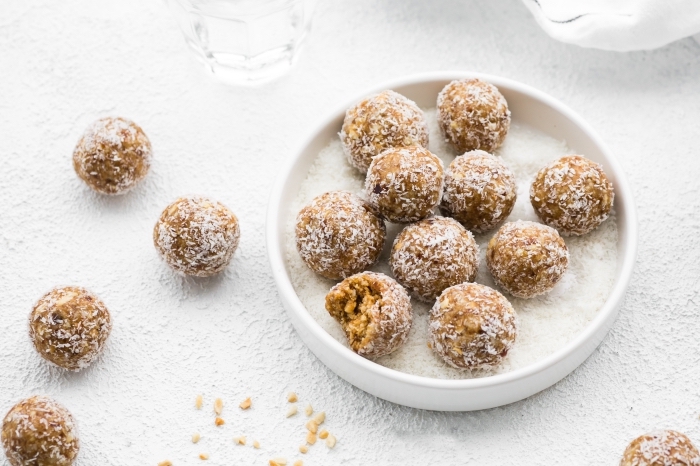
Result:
472,326
197,236
338,234
382,121
39,432
373,310
404,184
572,194
434,254
113,155
661,448
473,114
69,327
480,191
526,258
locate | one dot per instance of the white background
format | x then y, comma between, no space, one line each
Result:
64,64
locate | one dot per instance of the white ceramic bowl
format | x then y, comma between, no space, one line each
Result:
529,106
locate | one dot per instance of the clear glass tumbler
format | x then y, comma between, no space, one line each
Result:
245,41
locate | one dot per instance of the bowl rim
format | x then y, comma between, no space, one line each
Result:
623,276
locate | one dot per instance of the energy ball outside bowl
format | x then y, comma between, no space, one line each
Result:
434,254
338,234
473,114
379,122
472,326
526,258
39,432
197,236
113,155
404,184
661,448
480,191
373,310
69,327
572,194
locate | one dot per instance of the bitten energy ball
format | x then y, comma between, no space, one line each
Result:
39,432
404,184
661,448
338,234
69,327
374,311
382,121
434,254
527,258
472,115
572,194
113,155
197,236
480,191
472,326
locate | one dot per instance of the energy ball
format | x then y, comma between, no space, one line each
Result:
373,310
382,121
434,254
472,326
112,155
338,234
572,194
480,191
39,431
472,114
197,236
69,327
661,448
404,184
526,258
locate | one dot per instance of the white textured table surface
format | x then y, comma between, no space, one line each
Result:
63,64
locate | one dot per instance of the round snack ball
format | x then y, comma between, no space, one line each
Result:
338,234
572,194
197,236
527,258
39,431
112,155
473,114
382,121
373,310
404,184
661,448
472,326
480,191
69,327
434,254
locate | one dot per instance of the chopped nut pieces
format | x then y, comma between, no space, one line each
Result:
256,444
312,426
323,434
241,441
310,438
292,411
196,437
278,462
203,456
320,417
245,404
219,422
292,397
198,402
309,410
304,449
218,406
165,463
298,463
330,441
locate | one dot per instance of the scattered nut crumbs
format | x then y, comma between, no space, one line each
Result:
278,462
256,444
323,434
219,422
330,441
298,463
241,441
218,406
165,463
312,426
292,397
319,418
292,411
196,437
198,402
245,404
203,456
310,438
309,410
304,449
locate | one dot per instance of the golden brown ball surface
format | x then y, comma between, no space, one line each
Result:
69,327
377,123
472,326
373,310
197,236
473,114
38,431
572,194
661,448
526,258
480,191
113,155
404,184
338,234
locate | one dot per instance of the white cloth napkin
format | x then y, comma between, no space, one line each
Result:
620,25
